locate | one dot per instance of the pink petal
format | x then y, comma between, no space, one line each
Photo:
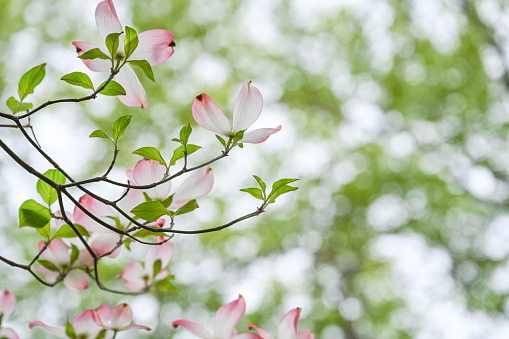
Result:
84,324
134,275
162,252
147,172
84,259
130,201
246,335
155,46
306,334
76,280
195,328
195,186
102,243
59,331
135,93
259,135
209,116
287,328
263,334
121,318
228,316
96,65
98,209
7,304
59,222
8,333
50,276
143,327
248,107
130,175
106,19
57,252
102,316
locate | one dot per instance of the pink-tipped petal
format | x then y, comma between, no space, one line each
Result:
102,243
135,93
259,135
50,276
155,46
96,65
209,116
57,252
7,304
147,172
121,317
228,316
197,329
248,107
263,334
106,19
195,186
59,331
8,333
76,280
287,328
84,324
134,275
84,259
102,316
96,208
306,334
142,327
163,252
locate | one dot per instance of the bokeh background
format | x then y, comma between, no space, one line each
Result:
394,118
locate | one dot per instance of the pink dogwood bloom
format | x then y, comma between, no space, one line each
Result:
7,306
83,324
226,319
116,318
287,328
155,46
59,254
246,111
138,277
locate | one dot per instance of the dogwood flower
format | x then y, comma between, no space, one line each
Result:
83,324
116,318
58,256
7,306
138,277
154,46
246,111
226,319
287,328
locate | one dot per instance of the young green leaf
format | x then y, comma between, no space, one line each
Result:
94,54
151,153
78,79
255,192
188,207
99,134
166,285
221,140
282,190
48,264
67,232
15,106
75,252
185,132
113,88
238,137
157,267
145,67
48,193
102,334
33,214
120,126
167,202
130,41
112,42
44,231
261,183
30,80
280,183
69,330
178,153
149,210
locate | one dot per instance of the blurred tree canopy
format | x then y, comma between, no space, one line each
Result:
394,118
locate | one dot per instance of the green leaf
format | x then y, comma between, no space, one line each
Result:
145,67
281,190
78,79
44,231
143,234
177,140
113,88
94,54
221,140
101,334
151,153
75,252
185,132
120,126
69,330
99,134
15,106
280,183
178,153
167,202
261,183
157,267
48,193
238,137
30,80
255,192
188,207
33,214
49,265
67,232
130,41
112,42
166,285
150,210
